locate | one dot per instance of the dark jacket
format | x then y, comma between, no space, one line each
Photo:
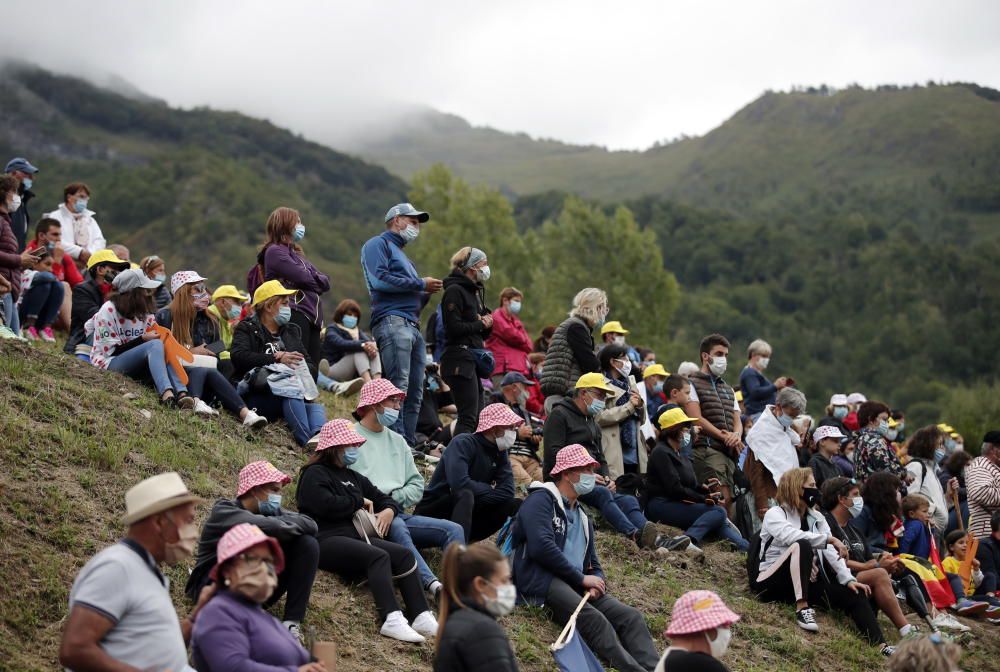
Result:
857,546
830,421
758,391
21,218
471,462
392,280
566,425
331,495
823,469
538,537
204,331
866,526
254,346
10,255
569,356
162,297
338,342
228,513
945,475
671,476
989,557
294,271
462,304
473,641
87,300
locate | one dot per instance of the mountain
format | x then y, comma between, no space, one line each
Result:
192,186
939,144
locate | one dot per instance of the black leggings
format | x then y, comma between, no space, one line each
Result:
209,385
380,562
310,335
787,580
468,395
478,520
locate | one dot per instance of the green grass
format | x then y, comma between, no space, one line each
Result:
72,445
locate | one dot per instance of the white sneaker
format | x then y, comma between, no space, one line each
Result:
395,626
426,624
254,421
348,387
201,408
695,553
943,620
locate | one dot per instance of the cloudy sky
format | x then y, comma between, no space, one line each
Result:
620,74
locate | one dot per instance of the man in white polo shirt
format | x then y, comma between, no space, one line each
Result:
120,613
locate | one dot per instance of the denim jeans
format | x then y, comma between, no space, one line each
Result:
697,520
209,385
147,359
404,355
10,316
416,532
622,511
303,418
43,300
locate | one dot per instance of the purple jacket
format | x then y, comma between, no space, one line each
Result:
283,263
234,635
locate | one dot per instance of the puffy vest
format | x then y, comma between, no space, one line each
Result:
716,399
561,370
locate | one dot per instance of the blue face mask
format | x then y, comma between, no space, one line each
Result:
299,232
27,182
283,316
658,386
939,455
840,412
785,420
857,504
596,406
388,417
234,312
585,485
350,455
80,205
432,384
349,321
515,307
883,427
270,506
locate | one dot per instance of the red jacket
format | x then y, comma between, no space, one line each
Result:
509,342
536,402
65,272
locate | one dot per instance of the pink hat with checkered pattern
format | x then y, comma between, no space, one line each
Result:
259,473
338,434
240,538
698,611
181,278
376,391
498,415
572,456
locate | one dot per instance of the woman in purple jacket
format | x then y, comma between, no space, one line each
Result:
232,632
282,259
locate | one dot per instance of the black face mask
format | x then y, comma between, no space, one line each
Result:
109,275
811,495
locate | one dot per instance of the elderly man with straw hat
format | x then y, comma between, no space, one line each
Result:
120,610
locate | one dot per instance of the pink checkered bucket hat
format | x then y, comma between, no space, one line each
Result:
498,415
259,473
572,456
241,538
376,391
698,611
338,434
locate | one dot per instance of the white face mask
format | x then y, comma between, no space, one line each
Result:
15,203
503,603
857,504
410,233
625,367
717,365
720,644
483,274
763,362
618,340
506,442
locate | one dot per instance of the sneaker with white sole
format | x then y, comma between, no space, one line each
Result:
201,408
185,403
48,336
695,552
678,543
943,620
425,624
295,628
254,421
970,607
806,619
888,650
396,627
349,387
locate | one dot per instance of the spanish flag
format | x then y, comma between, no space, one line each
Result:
931,573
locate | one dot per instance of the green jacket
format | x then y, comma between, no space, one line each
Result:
385,460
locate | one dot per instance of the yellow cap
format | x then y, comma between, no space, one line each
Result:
229,292
270,289
674,417
892,423
105,257
739,395
946,428
613,327
595,381
655,370
954,435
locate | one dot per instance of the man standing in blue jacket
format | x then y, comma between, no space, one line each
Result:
555,563
398,295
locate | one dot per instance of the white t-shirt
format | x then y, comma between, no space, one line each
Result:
124,587
694,397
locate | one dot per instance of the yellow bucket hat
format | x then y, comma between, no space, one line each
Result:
655,370
268,290
674,417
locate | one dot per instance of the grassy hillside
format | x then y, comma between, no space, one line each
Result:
938,143
193,186
73,444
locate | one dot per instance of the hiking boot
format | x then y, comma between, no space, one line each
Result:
254,421
943,620
48,336
396,627
970,608
203,409
425,624
648,536
678,543
31,334
806,619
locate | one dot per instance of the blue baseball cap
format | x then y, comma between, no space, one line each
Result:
406,210
20,164
515,377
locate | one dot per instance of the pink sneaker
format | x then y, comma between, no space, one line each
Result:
48,336
31,334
